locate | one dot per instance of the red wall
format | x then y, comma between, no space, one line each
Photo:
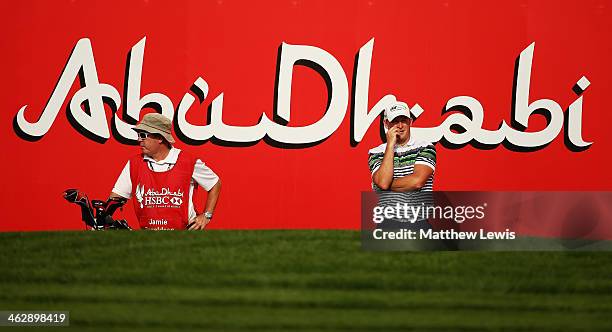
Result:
425,52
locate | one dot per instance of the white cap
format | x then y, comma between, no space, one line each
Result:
397,109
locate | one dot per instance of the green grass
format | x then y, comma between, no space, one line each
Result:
297,281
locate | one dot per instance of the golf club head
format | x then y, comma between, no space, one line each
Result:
113,204
79,198
71,195
100,208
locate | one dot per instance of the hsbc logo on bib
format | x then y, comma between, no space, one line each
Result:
164,198
176,201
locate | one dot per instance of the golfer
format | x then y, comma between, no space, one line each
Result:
403,168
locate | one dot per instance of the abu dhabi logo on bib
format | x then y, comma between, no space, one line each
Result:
164,198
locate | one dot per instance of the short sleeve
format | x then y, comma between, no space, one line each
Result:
204,176
374,161
123,186
427,156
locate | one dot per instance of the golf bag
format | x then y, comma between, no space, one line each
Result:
98,214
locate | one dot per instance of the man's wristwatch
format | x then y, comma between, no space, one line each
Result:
208,215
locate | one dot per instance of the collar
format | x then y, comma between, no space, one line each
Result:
171,158
409,143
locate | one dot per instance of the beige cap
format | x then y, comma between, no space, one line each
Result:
156,123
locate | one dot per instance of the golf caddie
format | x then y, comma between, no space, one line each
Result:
162,180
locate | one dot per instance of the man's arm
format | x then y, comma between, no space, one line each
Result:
115,195
207,179
424,168
414,181
383,177
212,197
200,221
123,185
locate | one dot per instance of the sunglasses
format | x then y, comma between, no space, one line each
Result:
143,135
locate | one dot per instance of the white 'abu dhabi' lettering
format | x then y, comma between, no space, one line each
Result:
92,121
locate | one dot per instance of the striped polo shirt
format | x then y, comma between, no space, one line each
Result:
404,158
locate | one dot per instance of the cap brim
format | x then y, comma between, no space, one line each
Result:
152,130
398,115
